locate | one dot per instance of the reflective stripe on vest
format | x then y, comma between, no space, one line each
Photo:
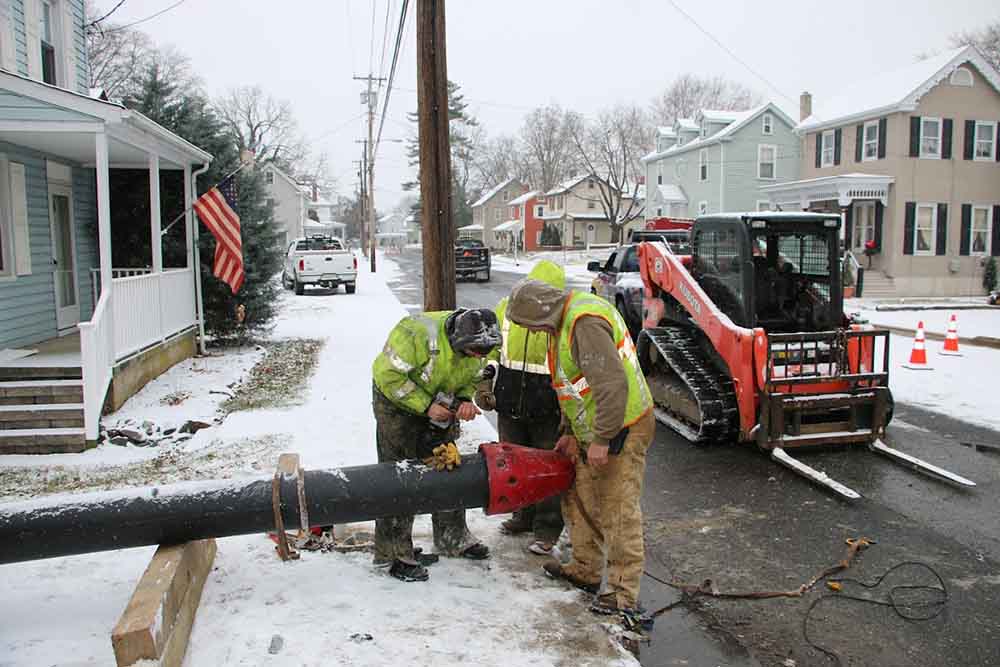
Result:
505,358
432,343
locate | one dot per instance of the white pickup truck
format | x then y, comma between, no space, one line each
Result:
320,261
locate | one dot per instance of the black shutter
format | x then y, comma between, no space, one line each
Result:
914,136
837,136
966,229
995,243
848,226
970,140
879,215
819,148
946,131
858,138
883,124
996,141
909,227
942,230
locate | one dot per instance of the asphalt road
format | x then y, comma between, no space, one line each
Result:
729,514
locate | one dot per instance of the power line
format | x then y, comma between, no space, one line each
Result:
392,72
113,10
340,127
385,41
350,35
371,44
728,50
148,18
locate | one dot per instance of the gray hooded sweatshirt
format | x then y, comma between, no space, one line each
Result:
536,305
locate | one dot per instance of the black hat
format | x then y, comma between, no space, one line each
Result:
473,330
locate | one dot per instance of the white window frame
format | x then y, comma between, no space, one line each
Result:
774,161
824,148
927,155
766,203
916,228
767,124
703,207
703,165
972,230
976,140
866,142
969,81
863,220
539,210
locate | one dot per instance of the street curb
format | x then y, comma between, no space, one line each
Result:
894,307
977,341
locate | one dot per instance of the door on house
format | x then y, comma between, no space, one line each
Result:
864,225
64,257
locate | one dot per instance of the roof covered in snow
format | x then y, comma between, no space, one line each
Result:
741,119
492,192
566,185
894,90
671,193
686,124
666,132
717,115
523,199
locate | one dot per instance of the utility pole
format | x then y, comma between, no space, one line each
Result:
435,157
371,100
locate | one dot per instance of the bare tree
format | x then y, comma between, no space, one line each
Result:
690,92
549,148
501,158
610,148
262,124
986,39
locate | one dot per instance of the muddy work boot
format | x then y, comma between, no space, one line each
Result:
424,559
516,525
408,571
556,571
477,551
633,617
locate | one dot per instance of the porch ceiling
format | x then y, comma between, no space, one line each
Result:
79,147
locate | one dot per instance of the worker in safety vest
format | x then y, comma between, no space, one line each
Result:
424,381
607,415
527,409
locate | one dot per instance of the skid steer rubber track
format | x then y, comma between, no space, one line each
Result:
680,348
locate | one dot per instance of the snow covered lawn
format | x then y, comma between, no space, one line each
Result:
498,612
574,263
971,323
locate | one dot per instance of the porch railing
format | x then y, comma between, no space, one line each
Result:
95,278
97,356
854,272
144,309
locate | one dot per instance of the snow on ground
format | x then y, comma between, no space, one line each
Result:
971,323
574,262
497,612
961,387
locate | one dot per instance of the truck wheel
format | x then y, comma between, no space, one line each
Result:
350,288
300,289
284,281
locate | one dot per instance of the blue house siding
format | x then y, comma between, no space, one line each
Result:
28,302
80,46
18,107
20,39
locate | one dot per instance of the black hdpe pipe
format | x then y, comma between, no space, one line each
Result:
500,478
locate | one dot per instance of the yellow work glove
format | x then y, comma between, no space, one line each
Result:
446,457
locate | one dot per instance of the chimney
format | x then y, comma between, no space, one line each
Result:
805,106
315,192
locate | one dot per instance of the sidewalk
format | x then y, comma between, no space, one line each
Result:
498,612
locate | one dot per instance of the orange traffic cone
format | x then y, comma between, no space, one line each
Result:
951,339
918,357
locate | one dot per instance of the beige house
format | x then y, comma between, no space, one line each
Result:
490,210
911,159
574,207
289,202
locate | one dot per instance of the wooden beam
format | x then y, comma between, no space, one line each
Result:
157,622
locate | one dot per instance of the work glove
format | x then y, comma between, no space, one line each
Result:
446,457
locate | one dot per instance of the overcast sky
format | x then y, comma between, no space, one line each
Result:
513,55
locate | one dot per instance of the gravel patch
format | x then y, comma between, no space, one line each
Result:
280,378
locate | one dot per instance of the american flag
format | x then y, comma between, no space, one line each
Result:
216,210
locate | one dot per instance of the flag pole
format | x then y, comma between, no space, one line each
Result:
190,208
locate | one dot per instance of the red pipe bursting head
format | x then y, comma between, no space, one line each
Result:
521,476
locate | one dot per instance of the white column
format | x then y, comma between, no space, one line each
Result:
188,217
103,210
154,213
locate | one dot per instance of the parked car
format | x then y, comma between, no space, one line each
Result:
472,259
619,282
319,261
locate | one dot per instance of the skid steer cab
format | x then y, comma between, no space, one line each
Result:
746,339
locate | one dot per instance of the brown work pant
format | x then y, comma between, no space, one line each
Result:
611,497
400,436
544,518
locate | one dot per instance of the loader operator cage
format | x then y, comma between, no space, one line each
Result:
776,271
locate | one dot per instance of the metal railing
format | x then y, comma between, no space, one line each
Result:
824,356
854,271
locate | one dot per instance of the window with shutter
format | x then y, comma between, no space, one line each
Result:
871,136
47,33
930,137
985,141
979,231
827,150
925,230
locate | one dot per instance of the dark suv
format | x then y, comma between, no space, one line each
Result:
472,259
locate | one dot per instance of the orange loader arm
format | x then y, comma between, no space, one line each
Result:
663,272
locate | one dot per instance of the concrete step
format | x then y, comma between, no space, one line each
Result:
10,373
23,392
41,415
42,441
